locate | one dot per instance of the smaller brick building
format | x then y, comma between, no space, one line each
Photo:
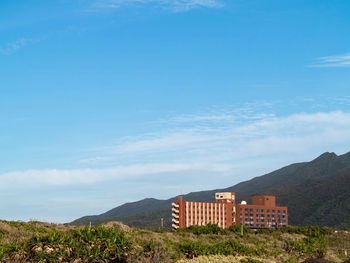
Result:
262,213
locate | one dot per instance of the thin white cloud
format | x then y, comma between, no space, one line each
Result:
208,151
56,177
14,46
213,139
342,60
174,5
211,148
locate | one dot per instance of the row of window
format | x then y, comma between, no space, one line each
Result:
204,207
261,225
193,217
262,210
206,213
261,220
261,215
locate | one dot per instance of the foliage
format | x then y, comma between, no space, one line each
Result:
250,260
228,247
237,229
310,231
111,244
207,229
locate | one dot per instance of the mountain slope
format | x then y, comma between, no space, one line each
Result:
288,183
318,202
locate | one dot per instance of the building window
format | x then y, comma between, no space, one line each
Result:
268,210
257,210
251,215
273,211
262,210
251,209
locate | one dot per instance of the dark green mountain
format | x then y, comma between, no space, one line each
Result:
316,192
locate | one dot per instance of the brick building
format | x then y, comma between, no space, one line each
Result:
222,212
262,213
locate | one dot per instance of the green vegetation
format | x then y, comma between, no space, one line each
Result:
43,242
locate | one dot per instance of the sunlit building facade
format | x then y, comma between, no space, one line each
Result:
262,213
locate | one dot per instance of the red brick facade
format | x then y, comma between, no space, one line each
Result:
262,213
221,212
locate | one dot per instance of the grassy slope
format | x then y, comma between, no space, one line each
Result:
35,241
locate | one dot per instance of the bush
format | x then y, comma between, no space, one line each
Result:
237,229
250,260
310,231
207,229
309,246
97,243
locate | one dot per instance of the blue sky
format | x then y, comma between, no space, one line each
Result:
110,101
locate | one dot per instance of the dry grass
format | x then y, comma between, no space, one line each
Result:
222,259
165,246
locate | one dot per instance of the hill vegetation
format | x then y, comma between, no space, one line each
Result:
315,192
113,242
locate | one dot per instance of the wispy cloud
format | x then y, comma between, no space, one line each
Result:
211,147
333,61
56,177
208,150
12,47
174,5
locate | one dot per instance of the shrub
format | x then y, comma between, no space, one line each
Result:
207,229
250,260
310,231
308,246
237,229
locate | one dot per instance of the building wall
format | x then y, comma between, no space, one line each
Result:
264,200
200,213
224,212
261,216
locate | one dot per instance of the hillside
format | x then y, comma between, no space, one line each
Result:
114,242
290,184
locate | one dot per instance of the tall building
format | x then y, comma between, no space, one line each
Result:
262,213
222,212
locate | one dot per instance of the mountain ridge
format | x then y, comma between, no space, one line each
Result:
288,179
